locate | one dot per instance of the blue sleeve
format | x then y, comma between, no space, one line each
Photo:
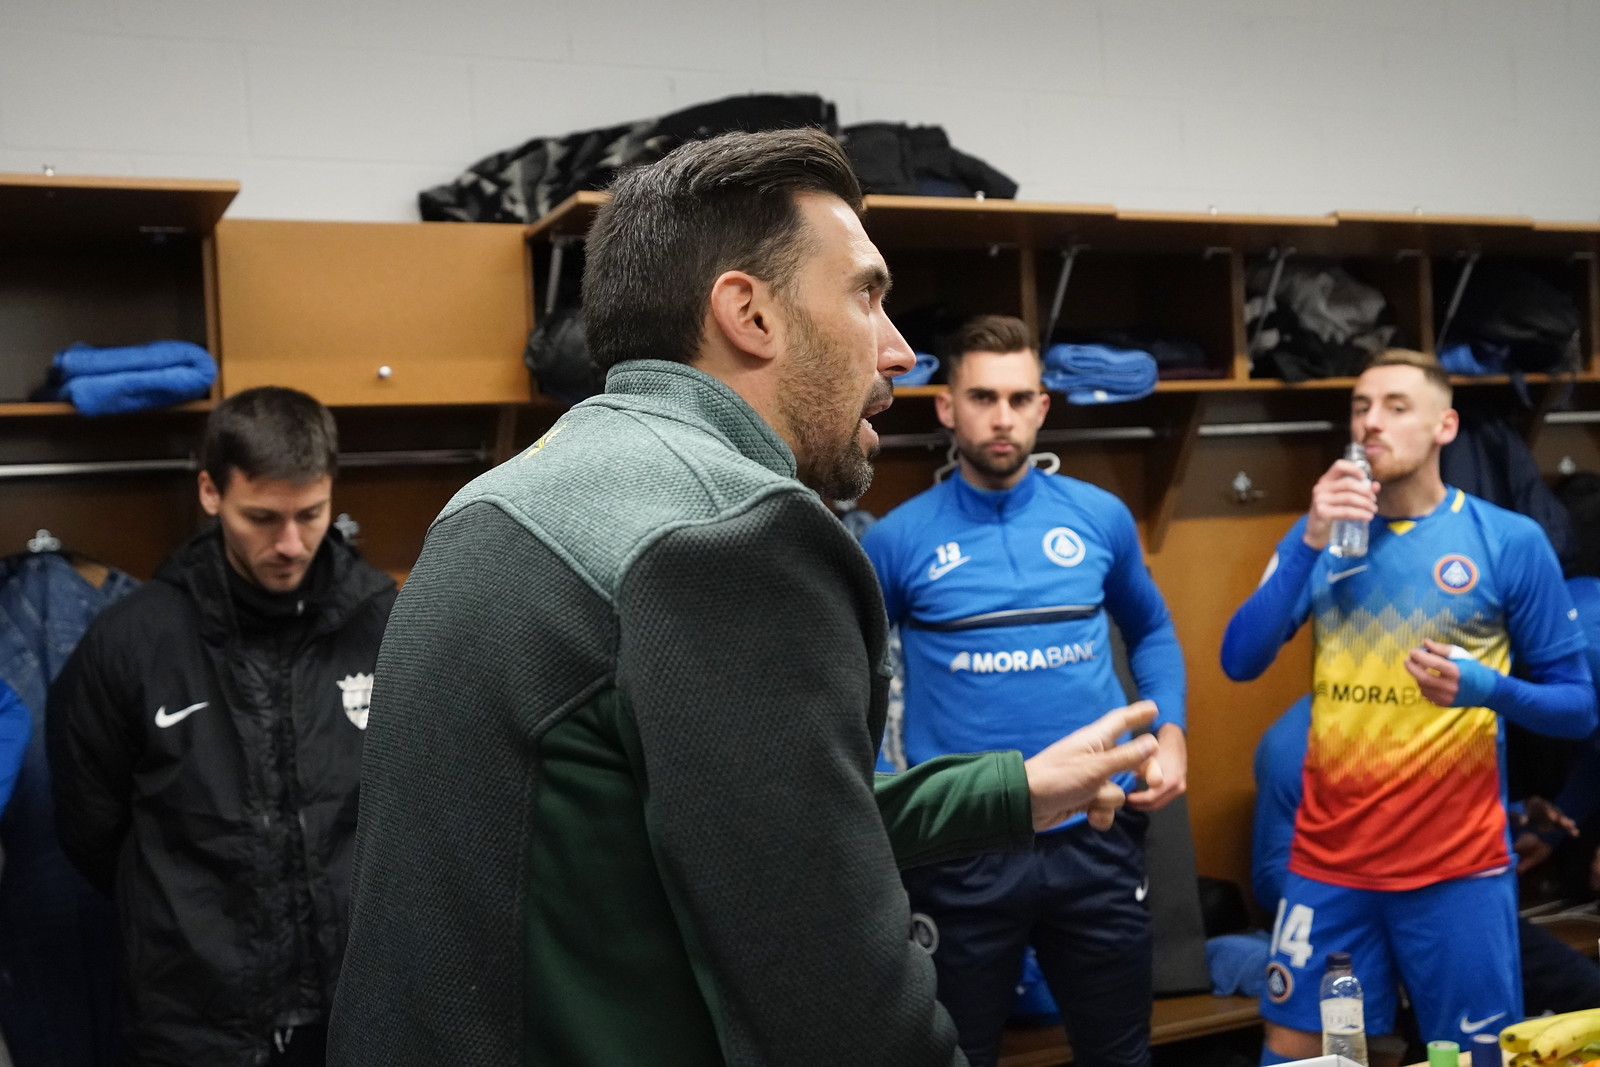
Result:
880,547
1279,762
1547,642
1274,611
1557,700
1141,614
1540,616
16,725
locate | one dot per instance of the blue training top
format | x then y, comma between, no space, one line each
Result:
1002,600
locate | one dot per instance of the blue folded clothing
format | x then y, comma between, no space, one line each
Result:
920,373
110,381
1099,374
1238,963
1476,357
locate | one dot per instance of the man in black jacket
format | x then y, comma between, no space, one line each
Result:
206,742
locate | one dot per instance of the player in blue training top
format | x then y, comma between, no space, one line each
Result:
1401,850
1001,581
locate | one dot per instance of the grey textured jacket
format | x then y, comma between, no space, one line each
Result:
618,804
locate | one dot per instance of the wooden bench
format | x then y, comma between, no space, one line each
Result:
1174,1019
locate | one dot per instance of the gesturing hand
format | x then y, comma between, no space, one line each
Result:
1173,755
1073,775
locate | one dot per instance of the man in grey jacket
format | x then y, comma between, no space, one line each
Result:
618,804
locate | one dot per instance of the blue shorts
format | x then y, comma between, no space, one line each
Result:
1454,945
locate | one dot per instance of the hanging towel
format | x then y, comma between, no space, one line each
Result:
110,381
1099,374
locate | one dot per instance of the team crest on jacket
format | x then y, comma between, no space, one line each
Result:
1455,574
357,692
1063,547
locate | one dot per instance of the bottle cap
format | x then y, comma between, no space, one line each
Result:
1338,961
1486,1050
1443,1054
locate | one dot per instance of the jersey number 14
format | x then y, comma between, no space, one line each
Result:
1291,935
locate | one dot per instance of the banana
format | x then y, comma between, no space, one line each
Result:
1515,1038
1566,1034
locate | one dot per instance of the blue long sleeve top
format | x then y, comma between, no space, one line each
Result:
1004,602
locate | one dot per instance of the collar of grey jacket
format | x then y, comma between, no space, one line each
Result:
682,391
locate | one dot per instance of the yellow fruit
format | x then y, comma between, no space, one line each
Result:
1566,1034
1515,1038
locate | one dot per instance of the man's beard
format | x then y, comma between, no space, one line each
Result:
978,456
829,460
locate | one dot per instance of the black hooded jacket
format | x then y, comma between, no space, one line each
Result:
206,743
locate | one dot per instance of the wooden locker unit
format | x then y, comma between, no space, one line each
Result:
358,313
107,261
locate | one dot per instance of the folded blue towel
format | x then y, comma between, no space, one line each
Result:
1238,963
1476,357
920,373
1099,374
110,381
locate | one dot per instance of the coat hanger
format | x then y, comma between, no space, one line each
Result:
89,569
44,541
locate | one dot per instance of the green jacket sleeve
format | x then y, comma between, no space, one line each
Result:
956,806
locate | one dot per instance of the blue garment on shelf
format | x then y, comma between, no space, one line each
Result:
920,373
1476,357
1238,963
109,381
1099,374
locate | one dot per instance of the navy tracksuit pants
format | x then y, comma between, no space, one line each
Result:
1079,899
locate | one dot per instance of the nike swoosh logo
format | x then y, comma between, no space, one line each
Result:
938,571
1342,575
164,720
1472,1028
1142,891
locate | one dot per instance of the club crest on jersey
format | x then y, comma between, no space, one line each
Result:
357,692
1063,547
1455,574
1280,983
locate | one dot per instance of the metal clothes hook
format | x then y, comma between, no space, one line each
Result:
1244,489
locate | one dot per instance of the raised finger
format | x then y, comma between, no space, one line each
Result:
1104,731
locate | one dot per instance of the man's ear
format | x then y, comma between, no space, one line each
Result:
1449,426
210,496
943,407
744,310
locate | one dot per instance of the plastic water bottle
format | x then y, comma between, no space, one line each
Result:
1344,1029
1347,538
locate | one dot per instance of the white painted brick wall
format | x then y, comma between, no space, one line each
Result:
344,109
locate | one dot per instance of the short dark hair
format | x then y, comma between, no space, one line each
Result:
672,227
270,432
989,333
1409,357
